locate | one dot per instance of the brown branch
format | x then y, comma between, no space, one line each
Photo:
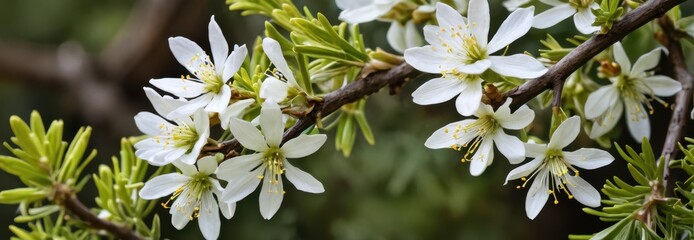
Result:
670,39
584,52
521,94
354,91
67,199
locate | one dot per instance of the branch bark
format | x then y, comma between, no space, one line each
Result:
354,91
683,100
66,198
584,52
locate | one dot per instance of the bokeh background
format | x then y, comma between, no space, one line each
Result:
86,62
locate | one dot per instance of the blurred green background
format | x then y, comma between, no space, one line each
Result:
86,62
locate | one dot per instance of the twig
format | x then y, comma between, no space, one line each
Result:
66,198
584,52
683,99
331,102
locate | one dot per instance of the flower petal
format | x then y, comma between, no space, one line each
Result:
515,26
583,191
608,120
238,166
271,123
599,101
524,170
477,67
363,13
482,158
249,136
228,209
621,57
219,45
646,62
208,216
273,89
238,188
271,196
180,216
219,101
273,50
537,195
180,87
302,180
303,145
163,105
396,36
234,111
588,158
191,107
446,137
663,86
151,124
234,62
438,90
553,16
427,59
412,36
517,120
207,165
510,146
584,19
565,133
186,52
518,65
637,120
163,185
478,20
448,17
186,169
534,150
469,100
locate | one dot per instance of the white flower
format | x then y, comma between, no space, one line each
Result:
554,171
168,142
629,91
244,173
276,86
512,5
580,9
400,36
480,135
459,51
192,192
361,11
209,89
234,111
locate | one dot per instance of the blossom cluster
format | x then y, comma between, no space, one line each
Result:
466,63
181,127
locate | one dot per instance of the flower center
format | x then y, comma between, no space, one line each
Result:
205,70
473,134
558,174
184,136
274,162
462,44
191,195
638,93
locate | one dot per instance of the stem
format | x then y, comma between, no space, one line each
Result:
584,52
521,94
354,91
66,198
683,99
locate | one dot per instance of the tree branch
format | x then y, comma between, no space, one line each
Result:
66,198
670,39
354,91
584,52
521,94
